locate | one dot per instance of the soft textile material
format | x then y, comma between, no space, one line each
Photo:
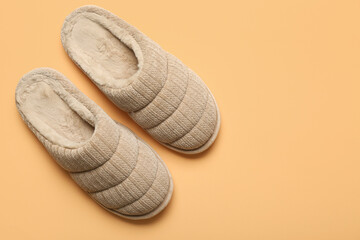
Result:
116,168
159,92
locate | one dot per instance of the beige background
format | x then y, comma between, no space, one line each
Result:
286,76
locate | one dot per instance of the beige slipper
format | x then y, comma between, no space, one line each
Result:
159,92
117,169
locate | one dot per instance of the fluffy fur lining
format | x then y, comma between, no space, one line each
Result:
52,110
103,49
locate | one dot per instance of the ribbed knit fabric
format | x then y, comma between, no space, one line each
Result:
164,97
116,168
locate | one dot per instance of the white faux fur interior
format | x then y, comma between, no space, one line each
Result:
107,57
53,117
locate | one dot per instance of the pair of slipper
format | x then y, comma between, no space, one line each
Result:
107,160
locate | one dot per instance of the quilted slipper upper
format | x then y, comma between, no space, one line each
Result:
108,161
160,93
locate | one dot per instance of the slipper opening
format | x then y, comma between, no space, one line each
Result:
52,116
105,55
